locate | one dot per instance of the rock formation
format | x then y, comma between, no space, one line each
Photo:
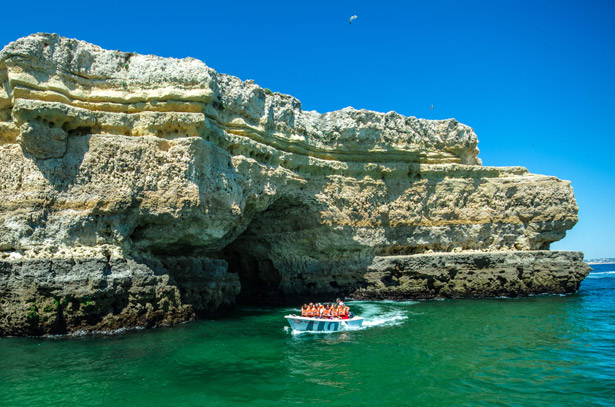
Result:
142,191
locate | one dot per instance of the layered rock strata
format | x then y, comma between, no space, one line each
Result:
473,275
142,191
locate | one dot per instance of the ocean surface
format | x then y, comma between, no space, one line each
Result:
536,351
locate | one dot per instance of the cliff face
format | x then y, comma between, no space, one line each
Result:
139,191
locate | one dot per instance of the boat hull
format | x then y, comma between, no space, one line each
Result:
322,325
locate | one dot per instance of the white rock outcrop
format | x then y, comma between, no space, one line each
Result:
145,163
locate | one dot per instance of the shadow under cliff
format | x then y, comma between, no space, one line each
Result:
280,260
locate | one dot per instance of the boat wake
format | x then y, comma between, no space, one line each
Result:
390,318
383,313
376,315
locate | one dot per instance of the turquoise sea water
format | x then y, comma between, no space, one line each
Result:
537,351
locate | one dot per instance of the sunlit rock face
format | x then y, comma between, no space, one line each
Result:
143,191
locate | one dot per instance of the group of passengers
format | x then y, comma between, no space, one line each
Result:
326,311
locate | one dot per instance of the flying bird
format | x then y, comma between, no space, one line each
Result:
353,18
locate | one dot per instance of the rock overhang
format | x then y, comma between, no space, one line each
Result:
142,157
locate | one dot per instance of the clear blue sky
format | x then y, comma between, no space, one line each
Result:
535,79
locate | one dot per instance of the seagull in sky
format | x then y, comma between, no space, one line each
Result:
353,18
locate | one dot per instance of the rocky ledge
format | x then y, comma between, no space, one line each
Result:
143,191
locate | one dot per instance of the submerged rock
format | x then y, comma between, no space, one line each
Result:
142,191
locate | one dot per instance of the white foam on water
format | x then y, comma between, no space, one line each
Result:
387,302
296,333
380,313
367,309
83,332
391,318
601,274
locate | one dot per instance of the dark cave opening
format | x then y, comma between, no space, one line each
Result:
260,280
276,258
252,254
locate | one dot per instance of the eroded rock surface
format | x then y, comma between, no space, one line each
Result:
163,190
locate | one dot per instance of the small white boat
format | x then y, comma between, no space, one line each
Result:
298,323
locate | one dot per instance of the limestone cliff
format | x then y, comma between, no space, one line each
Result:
141,191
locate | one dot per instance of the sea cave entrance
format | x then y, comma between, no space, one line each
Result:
257,253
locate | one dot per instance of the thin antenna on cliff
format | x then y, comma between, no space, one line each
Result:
353,18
